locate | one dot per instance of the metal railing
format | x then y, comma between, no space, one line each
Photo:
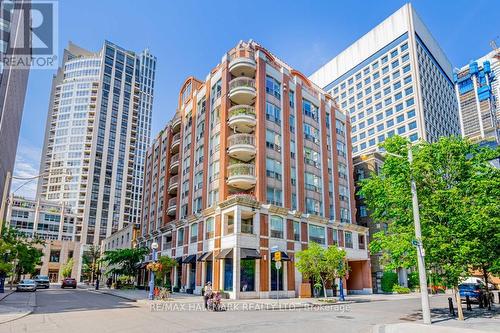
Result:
237,110
241,169
173,181
240,82
241,139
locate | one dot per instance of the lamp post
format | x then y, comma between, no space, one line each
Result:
424,293
154,247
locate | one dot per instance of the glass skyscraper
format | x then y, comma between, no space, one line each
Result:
98,128
393,80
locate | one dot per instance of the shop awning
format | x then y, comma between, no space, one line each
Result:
284,256
190,259
142,265
207,256
225,253
249,254
179,260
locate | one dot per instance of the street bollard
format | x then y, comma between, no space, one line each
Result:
487,301
480,299
467,300
450,304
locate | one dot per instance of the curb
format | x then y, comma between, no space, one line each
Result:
5,294
24,314
111,294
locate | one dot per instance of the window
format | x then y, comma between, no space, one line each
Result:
311,133
247,225
296,231
401,130
274,196
408,91
317,234
410,102
362,211
276,227
273,140
273,168
335,236
194,233
180,237
412,125
410,114
406,69
361,242
348,239
400,118
273,87
312,182
229,225
209,225
414,137
310,110
313,206
55,255
247,275
273,113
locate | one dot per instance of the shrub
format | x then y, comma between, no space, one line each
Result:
413,281
389,279
400,289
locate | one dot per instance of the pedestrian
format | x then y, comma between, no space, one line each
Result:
109,281
207,293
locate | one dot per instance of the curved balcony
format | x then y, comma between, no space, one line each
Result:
241,176
242,118
176,123
241,146
174,164
172,206
242,66
173,184
176,142
242,90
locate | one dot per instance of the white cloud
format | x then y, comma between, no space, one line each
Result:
27,164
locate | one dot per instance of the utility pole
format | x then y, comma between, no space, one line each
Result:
424,294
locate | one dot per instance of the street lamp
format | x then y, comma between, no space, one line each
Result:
424,294
154,247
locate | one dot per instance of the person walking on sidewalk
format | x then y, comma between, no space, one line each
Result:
207,293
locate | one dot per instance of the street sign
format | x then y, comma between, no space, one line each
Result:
277,256
277,264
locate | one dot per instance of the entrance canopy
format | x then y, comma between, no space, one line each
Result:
190,259
284,256
249,254
207,256
225,254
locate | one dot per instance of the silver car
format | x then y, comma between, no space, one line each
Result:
26,285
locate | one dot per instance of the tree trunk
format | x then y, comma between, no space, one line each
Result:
485,276
324,288
459,303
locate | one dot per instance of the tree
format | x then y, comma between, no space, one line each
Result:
124,261
67,268
322,264
166,264
91,261
454,182
20,254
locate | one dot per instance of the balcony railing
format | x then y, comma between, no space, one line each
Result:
237,110
176,137
242,82
172,202
174,159
241,169
173,181
241,139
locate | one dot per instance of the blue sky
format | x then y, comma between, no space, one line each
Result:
189,38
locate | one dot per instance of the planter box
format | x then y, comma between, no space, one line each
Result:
305,290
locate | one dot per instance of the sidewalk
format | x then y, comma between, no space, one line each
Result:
141,296
16,305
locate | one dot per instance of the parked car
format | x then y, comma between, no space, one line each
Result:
26,285
473,290
42,281
69,283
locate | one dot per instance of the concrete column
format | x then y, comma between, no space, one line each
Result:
237,220
203,273
257,275
221,271
236,272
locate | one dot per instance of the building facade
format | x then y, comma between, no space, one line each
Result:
13,83
395,80
52,222
98,126
257,159
477,92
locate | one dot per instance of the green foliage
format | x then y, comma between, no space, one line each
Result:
90,262
19,253
389,279
124,261
400,289
67,269
413,280
322,264
459,204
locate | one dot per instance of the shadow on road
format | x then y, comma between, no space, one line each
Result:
443,314
56,300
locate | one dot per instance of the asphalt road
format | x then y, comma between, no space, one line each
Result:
80,310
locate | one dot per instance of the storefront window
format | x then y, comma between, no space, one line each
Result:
228,274
247,275
208,272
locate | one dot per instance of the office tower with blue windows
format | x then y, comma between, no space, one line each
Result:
97,132
476,88
393,80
